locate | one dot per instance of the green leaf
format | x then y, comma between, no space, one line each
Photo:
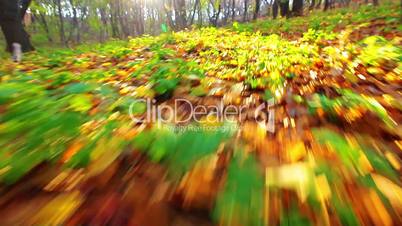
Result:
77,88
144,140
165,86
294,217
348,154
164,28
199,91
242,195
81,103
345,212
381,164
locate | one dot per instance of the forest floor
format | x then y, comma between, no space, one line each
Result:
326,151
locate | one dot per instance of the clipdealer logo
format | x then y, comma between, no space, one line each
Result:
263,114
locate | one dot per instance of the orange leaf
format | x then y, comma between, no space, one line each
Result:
71,151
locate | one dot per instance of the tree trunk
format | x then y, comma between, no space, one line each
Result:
103,30
275,9
257,9
318,4
194,10
75,22
284,8
312,4
297,9
233,10
139,30
245,14
216,16
84,13
113,19
180,14
226,11
42,18
199,13
61,21
121,16
169,14
326,4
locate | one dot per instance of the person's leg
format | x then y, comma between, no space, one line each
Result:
7,13
24,7
8,32
11,25
25,42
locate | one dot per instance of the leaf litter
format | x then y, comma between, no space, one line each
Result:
70,147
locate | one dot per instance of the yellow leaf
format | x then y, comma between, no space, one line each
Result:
296,152
105,153
58,210
393,159
391,190
297,176
122,73
376,210
107,64
323,188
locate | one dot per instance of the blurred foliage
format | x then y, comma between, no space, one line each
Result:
241,200
71,108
